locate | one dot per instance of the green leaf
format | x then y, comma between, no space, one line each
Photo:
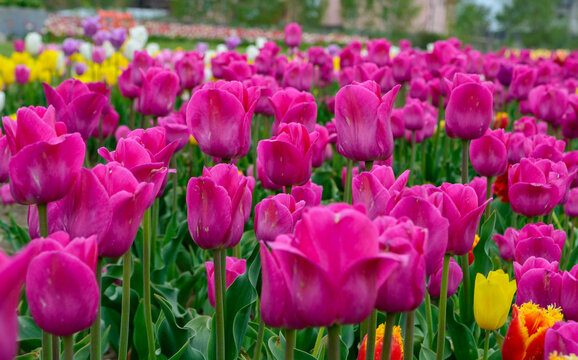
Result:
28,329
201,330
426,354
464,344
139,335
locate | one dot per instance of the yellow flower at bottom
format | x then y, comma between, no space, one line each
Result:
492,299
396,344
556,356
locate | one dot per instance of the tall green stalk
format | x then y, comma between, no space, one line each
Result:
347,193
333,345
442,309
486,345
412,159
465,262
43,224
125,312
489,181
219,303
317,346
429,319
68,347
386,341
95,341
147,238
409,327
370,343
290,341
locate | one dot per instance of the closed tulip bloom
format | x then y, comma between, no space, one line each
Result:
77,106
286,158
571,206
44,163
267,86
378,190
158,92
190,70
404,238
414,115
238,70
507,243
396,344
469,111
5,156
127,87
326,273
322,150
22,74
219,118
539,240
218,205
527,331
223,59
548,102
176,129
264,62
561,339
523,78
537,186
539,281
378,51
310,193
492,299
298,74
276,215
362,119
489,153
569,294
418,89
292,35
455,276
291,105
118,37
91,25
234,268
401,66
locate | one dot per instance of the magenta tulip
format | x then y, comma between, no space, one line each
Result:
378,190
455,276
78,107
234,267
127,87
238,70
507,243
286,158
219,117
489,153
378,51
413,115
569,294
404,238
562,339
538,281
571,206
61,288
276,215
362,119
327,273
292,35
176,129
322,150
158,92
190,70
21,74
548,103
298,74
267,86
523,78
218,205
401,66
310,193
469,111
292,106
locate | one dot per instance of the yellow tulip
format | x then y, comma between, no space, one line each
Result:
492,299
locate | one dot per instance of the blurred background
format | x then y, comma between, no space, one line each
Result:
486,24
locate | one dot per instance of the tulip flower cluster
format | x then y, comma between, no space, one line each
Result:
226,203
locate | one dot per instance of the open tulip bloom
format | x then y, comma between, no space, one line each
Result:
273,193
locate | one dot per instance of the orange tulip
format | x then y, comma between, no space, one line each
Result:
525,337
396,344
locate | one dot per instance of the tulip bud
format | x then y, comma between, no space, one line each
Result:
492,299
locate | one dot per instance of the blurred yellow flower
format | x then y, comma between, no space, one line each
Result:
492,299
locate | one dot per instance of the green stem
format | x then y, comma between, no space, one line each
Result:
125,312
347,193
442,309
55,347
465,158
132,112
175,184
42,219
317,346
429,319
290,341
68,347
154,231
386,341
333,346
465,262
219,303
370,343
259,343
571,240
489,180
46,346
368,165
409,327
412,159
147,237
95,348
486,345
237,251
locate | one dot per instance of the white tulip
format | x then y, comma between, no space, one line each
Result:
208,74
33,43
221,48
140,34
108,48
85,50
130,47
430,47
153,48
252,52
394,50
208,56
260,42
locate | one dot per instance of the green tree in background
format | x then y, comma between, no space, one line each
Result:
472,21
535,23
400,15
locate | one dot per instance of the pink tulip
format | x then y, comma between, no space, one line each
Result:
21,74
264,62
569,294
158,92
127,87
292,106
61,288
218,205
523,79
455,276
327,273
538,281
44,163
401,66
176,129
537,240
571,206
234,267
384,78
238,70
562,339
310,193
404,238
78,107
286,158
322,150
298,75
469,111
19,45
413,115
292,35
378,190
219,117
267,86
378,51
362,119
139,66
190,70
276,215
223,59
537,186
489,154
